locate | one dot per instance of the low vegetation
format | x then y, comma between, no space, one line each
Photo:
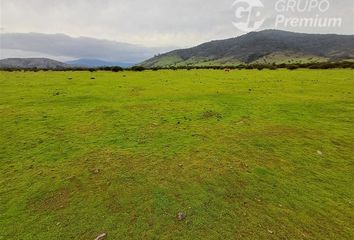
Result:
185,154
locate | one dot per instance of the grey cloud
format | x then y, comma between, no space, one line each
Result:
152,23
83,47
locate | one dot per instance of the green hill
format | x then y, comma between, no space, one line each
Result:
269,46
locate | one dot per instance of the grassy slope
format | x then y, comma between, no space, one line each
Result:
171,60
238,152
275,58
289,58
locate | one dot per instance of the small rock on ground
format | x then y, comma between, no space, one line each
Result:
181,216
101,236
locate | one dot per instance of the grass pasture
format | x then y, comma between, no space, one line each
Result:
245,155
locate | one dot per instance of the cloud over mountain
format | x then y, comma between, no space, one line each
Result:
61,45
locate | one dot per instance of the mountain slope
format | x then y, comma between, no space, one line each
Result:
85,62
266,46
26,63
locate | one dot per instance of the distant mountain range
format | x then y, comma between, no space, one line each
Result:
266,47
85,62
46,63
27,63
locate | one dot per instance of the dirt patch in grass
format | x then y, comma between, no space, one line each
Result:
113,204
136,91
97,161
139,107
211,114
106,164
87,129
53,201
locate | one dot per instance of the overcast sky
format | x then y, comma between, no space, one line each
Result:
161,24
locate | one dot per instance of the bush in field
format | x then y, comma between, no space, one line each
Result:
138,68
293,67
282,65
117,69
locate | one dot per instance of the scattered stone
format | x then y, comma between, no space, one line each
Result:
70,178
153,125
181,165
244,165
101,236
319,152
181,216
96,171
270,231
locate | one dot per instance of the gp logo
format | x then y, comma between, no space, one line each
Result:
248,15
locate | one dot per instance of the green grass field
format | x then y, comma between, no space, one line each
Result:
245,155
